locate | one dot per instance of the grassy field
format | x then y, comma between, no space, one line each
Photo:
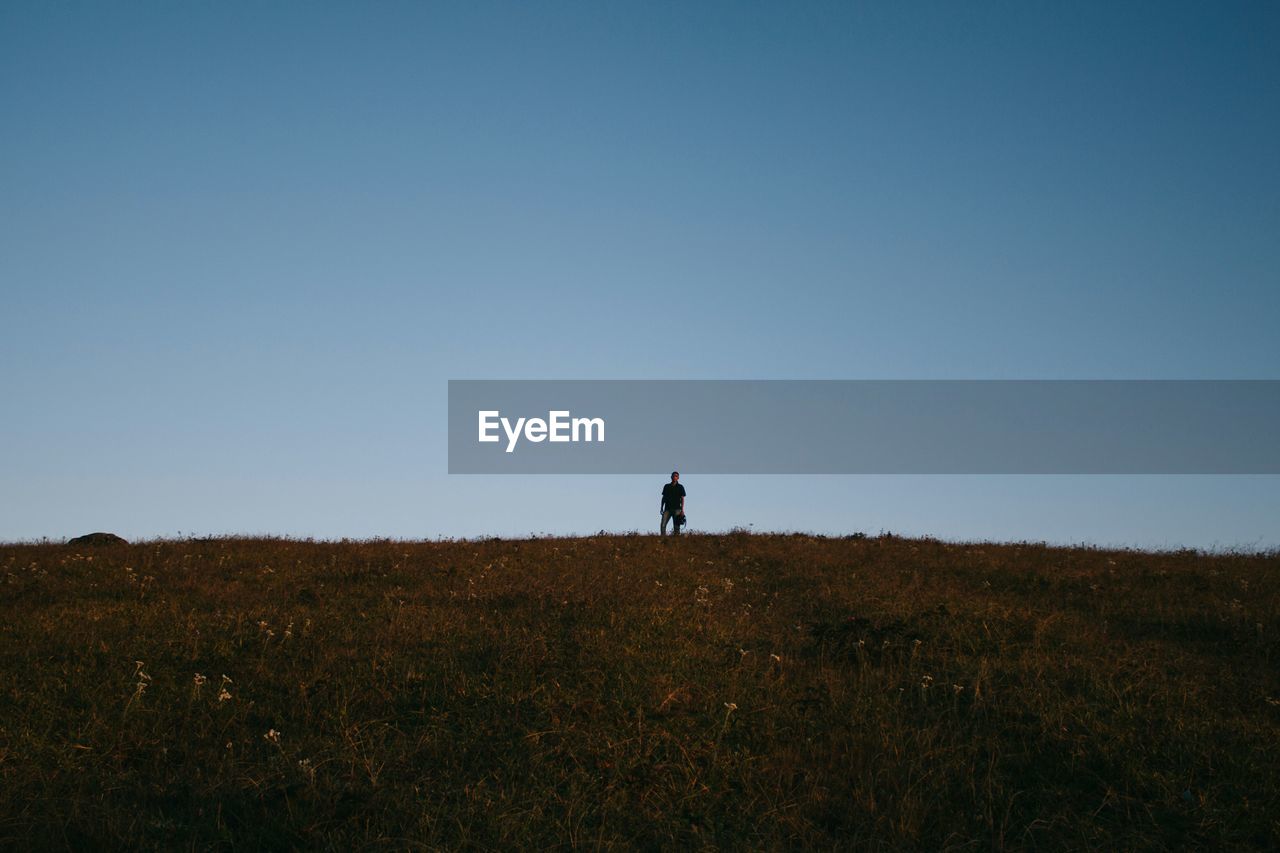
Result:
726,691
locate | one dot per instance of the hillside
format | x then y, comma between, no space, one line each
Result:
735,690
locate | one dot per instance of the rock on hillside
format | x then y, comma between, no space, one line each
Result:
98,539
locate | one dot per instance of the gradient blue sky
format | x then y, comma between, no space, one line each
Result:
244,245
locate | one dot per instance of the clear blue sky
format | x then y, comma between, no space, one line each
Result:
243,246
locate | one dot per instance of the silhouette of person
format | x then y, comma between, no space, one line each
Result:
672,507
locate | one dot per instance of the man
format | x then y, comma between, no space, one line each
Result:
672,507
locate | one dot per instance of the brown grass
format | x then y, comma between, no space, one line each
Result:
762,691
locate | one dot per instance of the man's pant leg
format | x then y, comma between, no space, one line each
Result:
666,516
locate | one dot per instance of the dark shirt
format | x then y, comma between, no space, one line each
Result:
672,496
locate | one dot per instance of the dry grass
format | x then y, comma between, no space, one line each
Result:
717,691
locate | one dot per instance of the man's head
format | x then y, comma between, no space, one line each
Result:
675,476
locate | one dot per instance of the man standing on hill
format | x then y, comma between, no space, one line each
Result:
673,504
